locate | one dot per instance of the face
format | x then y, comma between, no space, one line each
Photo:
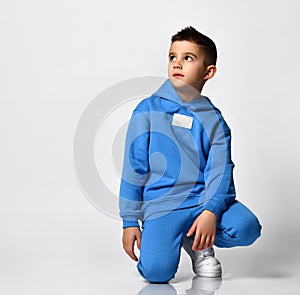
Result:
186,65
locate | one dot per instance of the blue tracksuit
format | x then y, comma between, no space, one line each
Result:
177,161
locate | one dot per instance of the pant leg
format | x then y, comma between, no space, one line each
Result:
161,243
238,226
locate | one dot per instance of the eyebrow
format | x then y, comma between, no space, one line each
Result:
185,53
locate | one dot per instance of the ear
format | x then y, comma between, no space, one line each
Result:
210,72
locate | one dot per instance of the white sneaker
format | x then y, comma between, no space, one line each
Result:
204,262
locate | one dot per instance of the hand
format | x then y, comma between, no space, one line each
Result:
205,227
130,235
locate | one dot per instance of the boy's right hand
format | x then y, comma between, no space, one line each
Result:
130,235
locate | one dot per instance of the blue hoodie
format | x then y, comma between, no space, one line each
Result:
177,155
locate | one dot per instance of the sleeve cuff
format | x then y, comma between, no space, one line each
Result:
130,223
215,207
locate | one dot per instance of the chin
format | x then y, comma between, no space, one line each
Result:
181,85
178,83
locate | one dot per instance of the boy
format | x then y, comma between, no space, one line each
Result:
177,172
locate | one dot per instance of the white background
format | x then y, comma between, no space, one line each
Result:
57,55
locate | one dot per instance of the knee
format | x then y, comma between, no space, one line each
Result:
249,231
157,273
238,227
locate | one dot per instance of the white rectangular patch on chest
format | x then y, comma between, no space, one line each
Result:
182,121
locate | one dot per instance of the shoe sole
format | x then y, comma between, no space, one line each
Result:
209,274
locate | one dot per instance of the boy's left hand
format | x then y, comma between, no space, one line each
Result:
204,228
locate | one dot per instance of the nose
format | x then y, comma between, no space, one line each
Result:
176,65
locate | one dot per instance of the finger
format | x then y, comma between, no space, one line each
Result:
196,241
129,249
191,230
202,242
132,255
208,243
138,241
212,240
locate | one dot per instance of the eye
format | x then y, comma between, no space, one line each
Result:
172,57
188,58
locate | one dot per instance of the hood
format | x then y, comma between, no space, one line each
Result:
168,91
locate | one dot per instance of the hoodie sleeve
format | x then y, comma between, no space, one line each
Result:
218,174
135,169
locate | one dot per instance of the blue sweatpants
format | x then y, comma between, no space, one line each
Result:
162,238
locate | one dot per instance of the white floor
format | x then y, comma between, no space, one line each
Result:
70,248
246,275
68,272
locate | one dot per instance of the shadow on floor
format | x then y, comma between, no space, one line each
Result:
199,286
261,265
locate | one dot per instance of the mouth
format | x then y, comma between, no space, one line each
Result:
178,75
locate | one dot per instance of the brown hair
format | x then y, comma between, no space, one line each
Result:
207,45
